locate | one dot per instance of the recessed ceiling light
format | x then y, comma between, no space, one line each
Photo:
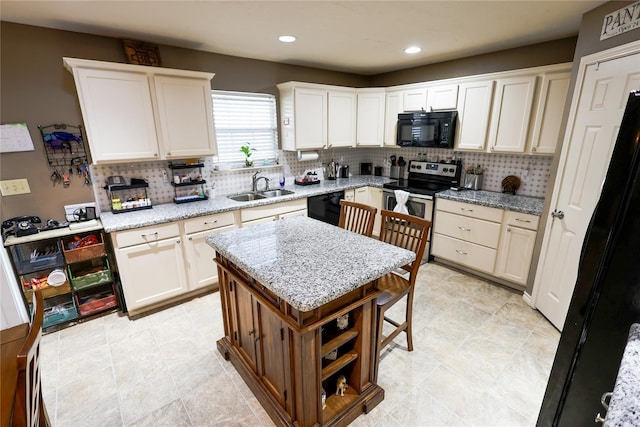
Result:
412,49
287,39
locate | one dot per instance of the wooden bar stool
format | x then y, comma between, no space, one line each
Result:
411,233
357,217
29,407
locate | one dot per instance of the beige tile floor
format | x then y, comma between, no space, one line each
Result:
481,357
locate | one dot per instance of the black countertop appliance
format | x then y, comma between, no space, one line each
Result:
606,298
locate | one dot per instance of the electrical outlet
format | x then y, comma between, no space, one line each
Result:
11,187
165,178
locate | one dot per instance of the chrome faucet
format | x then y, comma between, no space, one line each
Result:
257,178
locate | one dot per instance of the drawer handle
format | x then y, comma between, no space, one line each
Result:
467,210
150,234
207,222
461,252
464,229
603,399
523,220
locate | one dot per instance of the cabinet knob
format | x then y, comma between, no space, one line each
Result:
464,229
509,230
492,148
190,238
523,220
461,252
533,149
466,210
207,222
155,154
168,154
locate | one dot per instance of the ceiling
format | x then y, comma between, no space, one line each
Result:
363,37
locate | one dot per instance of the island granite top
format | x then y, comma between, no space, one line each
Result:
168,212
512,202
624,407
306,262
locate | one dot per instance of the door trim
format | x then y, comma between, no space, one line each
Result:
595,58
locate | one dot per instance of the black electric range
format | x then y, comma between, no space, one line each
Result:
428,178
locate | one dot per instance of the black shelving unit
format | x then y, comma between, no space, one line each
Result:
124,198
181,181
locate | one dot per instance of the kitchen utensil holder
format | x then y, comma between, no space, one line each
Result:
473,181
396,172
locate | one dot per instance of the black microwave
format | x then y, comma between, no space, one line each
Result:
427,129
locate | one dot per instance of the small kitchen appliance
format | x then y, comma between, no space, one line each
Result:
366,168
344,171
332,170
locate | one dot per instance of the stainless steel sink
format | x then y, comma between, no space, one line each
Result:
276,193
247,197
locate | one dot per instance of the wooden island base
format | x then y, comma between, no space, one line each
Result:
288,357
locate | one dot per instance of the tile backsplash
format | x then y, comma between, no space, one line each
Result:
534,171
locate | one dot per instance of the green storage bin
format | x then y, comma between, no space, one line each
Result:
92,279
59,314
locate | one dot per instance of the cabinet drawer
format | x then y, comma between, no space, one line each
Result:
208,222
468,209
146,234
274,209
469,229
517,219
469,254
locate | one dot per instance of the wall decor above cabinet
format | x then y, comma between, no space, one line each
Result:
138,113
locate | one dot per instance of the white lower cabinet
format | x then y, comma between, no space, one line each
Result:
143,281
158,263
516,247
489,240
201,269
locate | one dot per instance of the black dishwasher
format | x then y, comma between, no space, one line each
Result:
325,207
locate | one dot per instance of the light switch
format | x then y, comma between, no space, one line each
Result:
11,187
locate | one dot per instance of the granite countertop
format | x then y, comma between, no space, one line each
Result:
524,204
168,212
624,407
306,262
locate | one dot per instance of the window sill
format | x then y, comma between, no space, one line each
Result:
228,168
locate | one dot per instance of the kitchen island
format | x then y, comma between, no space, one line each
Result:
299,307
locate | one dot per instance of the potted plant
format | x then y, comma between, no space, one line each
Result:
246,149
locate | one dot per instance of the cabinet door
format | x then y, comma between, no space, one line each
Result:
414,99
548,116
341,126
244,331
271,352
511,114
514,254
362,195
143,283
392,107
201,268
370,126
118,115
310,119
442,97
474,107
185,116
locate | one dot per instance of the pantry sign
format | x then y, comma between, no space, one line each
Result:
621,21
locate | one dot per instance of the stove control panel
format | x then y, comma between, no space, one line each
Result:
432,168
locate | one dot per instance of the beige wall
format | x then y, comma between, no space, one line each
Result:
38,90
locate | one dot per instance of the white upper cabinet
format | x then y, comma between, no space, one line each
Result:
341,126
554,88
511,114
136,113
414,99
392,107
317,116
443,97
370,121
474,108
185,120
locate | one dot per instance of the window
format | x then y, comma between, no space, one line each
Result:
242,117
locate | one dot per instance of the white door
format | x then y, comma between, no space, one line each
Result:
585,158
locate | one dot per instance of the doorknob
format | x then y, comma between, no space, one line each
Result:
557,214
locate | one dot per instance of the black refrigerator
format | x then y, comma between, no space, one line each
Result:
606,298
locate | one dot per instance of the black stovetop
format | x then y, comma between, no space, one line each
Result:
424,189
